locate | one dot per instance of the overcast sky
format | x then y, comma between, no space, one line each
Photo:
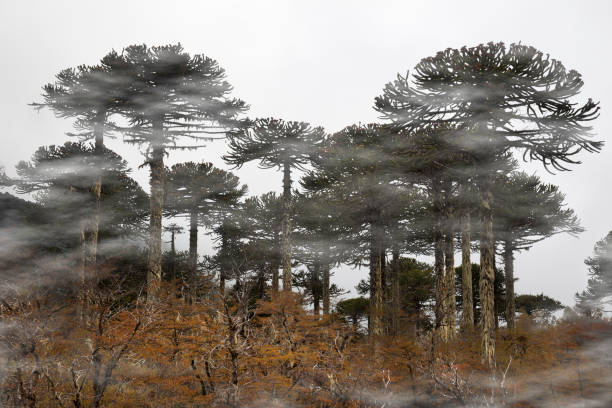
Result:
321,62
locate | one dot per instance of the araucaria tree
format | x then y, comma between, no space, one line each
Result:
283,145
499,99
597,298
171,97
526,211
87,94
199,190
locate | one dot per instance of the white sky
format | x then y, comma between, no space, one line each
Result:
321,62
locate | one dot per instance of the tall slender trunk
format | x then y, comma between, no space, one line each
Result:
449,263
375,326
89,236
509,275
467,318
224,261
487,273
449,260
286,237
441,324
316,287
172,256
189,280
274,266
157,181
395,289
326,268
274,274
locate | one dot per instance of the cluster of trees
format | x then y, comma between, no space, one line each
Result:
437,176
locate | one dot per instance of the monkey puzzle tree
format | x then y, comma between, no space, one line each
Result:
61,176
499,99
200,191
354,167
598,294
527,211
264,216
283,145
428,159
88,94
171,96
318,242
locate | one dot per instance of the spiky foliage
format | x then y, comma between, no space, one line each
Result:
597,297
202,192
355,169
171,97
527,211
278,144
498,99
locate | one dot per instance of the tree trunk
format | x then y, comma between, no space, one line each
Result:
395,289
189,281
157,181
449,262
326,269
224,261
375,326
316,288
286,237
467,319
509,275
441,324
89,235
274,274
487,274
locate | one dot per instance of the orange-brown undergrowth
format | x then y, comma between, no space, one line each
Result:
221,351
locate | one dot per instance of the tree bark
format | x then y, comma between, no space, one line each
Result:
509,275
189,280
375,326
157,180
487,274
326,269
395,289
467,318
89,236
441,324
316,288
274,274
449,263
286,234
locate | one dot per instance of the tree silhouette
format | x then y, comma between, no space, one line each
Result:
355,169
171,96
283,145
200,191
89,95
598,295
498,99
527,211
